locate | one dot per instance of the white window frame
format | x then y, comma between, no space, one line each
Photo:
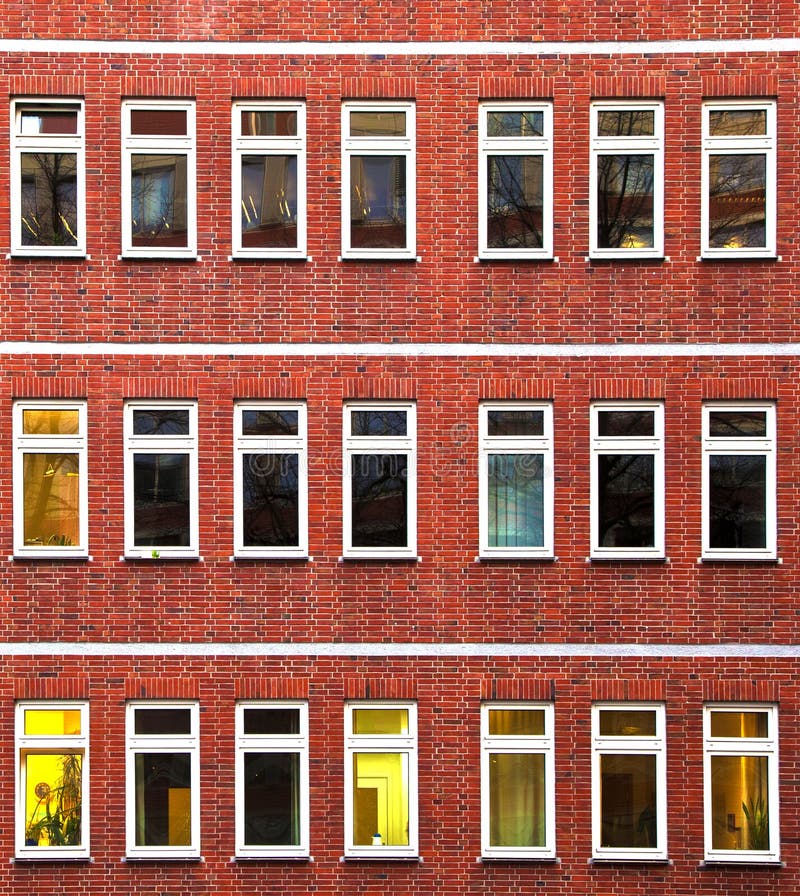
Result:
525,744
756,445
397,445
48,444
641,445
743,746
268,146
645,745
516,146
162,743
381,743
764,144
167,145
516,445
628,145
49,143
272,743
154,444
380,146
31,743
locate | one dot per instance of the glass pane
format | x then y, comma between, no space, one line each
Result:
514,123
515,204
738,501
52,722
159,200
626,500
380,799
516,500
626,423
51,500
53,799
625,201
159,122
739,802
379,509
270,500
56,120
391,123
626,123
161,491
628,807
746,723
272,799
378,202
161,422
163,720
163,799
380,721
506,422
517,809
269,202
516,722
271,720
737,201
737,122
378,423
270,422
50,422
627,723
737,424
49,198
269,123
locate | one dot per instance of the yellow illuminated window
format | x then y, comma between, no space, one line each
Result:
380,799
52,721
513,722
51,421
380,721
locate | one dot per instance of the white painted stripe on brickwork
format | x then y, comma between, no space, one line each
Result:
400,48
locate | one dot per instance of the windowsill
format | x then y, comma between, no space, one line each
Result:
516,558
300,256
50,558
37,860
275,858
410,860
55,254
300,558
535,860
739,558
381,558
629,558
630,860
186,859
713,864
657,258
157,256
161,558
380,258
513,259
751,256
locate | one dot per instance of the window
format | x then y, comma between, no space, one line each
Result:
741,774
380,500
270,480
629,810
627,480
516,480
517,781
269,180
52,741
158,178
47,177
739,482
515,179
380,780
378,180
271,779
50,518
627,180
739,148
162,768
161,479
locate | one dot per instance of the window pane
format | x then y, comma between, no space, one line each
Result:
161,422
161,499
271,720
48,121
628,801
626,500
271,799
625,201
51,499
379,500
626,123
516,722
378,202
269,123
163,720
380,799
739,802
626,423
158,200
737,424
737,122
270,500
50,421
627,723
269,201
737,201
163,799
52,721
158,122
516,500
738,501
377,124
512,123
378,423
515,201
380,721
749,723
272,422
49,193
506,422
516,799
53,799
